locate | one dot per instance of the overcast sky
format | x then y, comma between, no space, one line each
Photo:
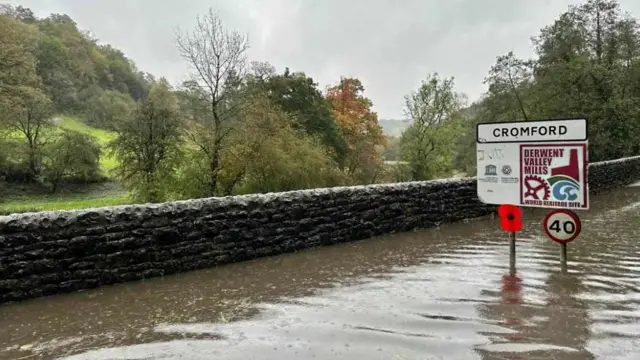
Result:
389,44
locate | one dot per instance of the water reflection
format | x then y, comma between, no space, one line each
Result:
554,327
441,293
568,321
512,297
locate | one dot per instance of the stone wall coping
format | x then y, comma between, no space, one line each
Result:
614,161
173,206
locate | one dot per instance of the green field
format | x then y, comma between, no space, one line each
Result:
107,163
103,137
20,198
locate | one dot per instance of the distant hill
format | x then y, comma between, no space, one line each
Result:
393,127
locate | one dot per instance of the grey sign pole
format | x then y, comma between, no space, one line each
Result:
512,252
563,257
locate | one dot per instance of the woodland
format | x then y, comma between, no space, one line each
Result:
82,126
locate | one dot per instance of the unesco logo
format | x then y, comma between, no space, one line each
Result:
506,170
490,170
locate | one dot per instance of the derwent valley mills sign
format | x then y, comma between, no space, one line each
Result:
534,163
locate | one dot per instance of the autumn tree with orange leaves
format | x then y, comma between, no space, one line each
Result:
360,129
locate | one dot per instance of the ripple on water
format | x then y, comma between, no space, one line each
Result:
377,319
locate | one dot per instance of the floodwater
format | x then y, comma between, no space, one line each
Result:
442,293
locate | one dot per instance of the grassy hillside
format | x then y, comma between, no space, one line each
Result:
23,198
102,136
107,163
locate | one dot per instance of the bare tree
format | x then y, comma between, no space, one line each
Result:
218,59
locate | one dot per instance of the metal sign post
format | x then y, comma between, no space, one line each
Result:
512,253
562,226
539,164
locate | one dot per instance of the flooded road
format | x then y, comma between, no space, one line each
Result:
442,293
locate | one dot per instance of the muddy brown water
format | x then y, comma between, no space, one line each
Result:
442,293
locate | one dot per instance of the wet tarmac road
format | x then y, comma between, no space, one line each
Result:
436,294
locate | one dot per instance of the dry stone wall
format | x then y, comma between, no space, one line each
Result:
58,252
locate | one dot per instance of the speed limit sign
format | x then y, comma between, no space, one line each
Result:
562,226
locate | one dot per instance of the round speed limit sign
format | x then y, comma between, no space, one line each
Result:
562,226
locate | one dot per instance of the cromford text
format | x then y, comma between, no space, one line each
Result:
516,132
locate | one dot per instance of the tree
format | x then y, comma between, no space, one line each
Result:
148,145
507,79
588,65
72,155
393,148
66,64
218,58
427,142
258,156
360,129
194,105
71,65
264,148
28,113
298,95
20,101
17,60
23,14
465,146
106,108
114,71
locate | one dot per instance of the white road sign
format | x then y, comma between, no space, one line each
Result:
562,225
533,131
534,163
